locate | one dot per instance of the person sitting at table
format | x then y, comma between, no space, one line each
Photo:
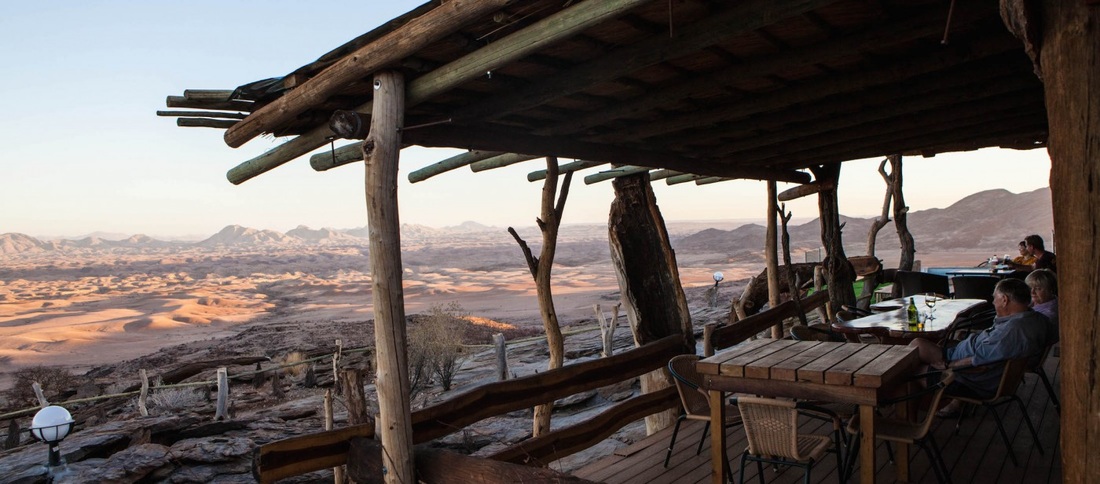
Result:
1044,298
1017,332
1044,259
1025,259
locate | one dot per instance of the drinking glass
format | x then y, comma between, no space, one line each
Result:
930,300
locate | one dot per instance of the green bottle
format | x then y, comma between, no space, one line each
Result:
911,311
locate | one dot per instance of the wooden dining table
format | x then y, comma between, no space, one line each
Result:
850,373
890,322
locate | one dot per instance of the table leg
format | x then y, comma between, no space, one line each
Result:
867,444
905,411
717,437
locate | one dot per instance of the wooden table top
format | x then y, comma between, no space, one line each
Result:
861,365
893,321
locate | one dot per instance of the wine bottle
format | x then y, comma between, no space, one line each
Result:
911,312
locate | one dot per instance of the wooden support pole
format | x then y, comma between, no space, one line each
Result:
381,151
578,165
182,102
501,347
201,114
614,173
682,178
205,123
663,174
222,411
421,31
451,163
500,161
771,257
708,344
344,155
142,409
355,396
804,190
711,179
336,357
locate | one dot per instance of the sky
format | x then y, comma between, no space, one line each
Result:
82,150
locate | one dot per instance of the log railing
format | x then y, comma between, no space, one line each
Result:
724,336
299,455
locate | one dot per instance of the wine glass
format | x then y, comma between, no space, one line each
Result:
930,301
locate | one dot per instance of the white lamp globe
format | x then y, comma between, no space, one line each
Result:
718,277
51,424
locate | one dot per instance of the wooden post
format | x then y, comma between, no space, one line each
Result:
222,411
901,211
708,345
338,471
142,409
277,385
336,356
42,402
501,347
381,152
838,271
819,284
772,258
607,329
355,396
1070,64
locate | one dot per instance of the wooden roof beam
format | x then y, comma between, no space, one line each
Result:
614,173
500,161
183,102
744,17
420,32
451,163
921,25
567,147
516,45
578,165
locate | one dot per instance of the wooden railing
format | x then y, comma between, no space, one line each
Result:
328,449
718,336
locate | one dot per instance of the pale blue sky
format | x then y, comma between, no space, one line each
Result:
82,150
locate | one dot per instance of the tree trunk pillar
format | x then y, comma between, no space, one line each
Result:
839,274
1070,64
649,281
381,152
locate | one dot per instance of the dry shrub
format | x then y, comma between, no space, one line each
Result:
294,358
54,382
175,398
435,344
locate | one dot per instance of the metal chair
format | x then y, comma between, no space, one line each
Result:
1036,366
812,333
1011,378
974,287
771,429
913,283
696,405
906,432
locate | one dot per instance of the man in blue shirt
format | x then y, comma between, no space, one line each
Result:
1017,332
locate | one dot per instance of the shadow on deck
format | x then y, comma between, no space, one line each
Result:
975,455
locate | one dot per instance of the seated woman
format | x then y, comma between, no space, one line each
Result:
1024,260
1044,298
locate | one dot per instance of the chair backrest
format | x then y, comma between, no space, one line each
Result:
810,333
926,425
688,381
974,287
913,283
1012,376
771,426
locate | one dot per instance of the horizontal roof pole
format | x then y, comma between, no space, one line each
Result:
711,179
451,163
501,161
683,178
614,173
578,165
201,114
341,156
205,123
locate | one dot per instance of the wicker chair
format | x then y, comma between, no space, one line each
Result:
771,429
974,287
695,402
904,431
1011,378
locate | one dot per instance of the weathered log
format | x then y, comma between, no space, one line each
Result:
756,294
381,151
501,347
182,102
445,467
205,123
838,271
519,393
792,280
421,31
349,124
901,216
341,156
711,179
645,266
614,173
202,114
142,409
307,453
804,190
12,440
540,451
222,410
207,94
500,161
355,396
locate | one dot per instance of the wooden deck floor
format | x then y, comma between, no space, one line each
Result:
976,455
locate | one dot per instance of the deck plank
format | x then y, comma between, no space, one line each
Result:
976,455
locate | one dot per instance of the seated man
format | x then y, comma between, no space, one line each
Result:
1044,259
1017,332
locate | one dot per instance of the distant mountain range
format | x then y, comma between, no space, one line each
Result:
992,219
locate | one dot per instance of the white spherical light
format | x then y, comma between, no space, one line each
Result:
718,277
51,424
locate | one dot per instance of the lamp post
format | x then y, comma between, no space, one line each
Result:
717,278
51,425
